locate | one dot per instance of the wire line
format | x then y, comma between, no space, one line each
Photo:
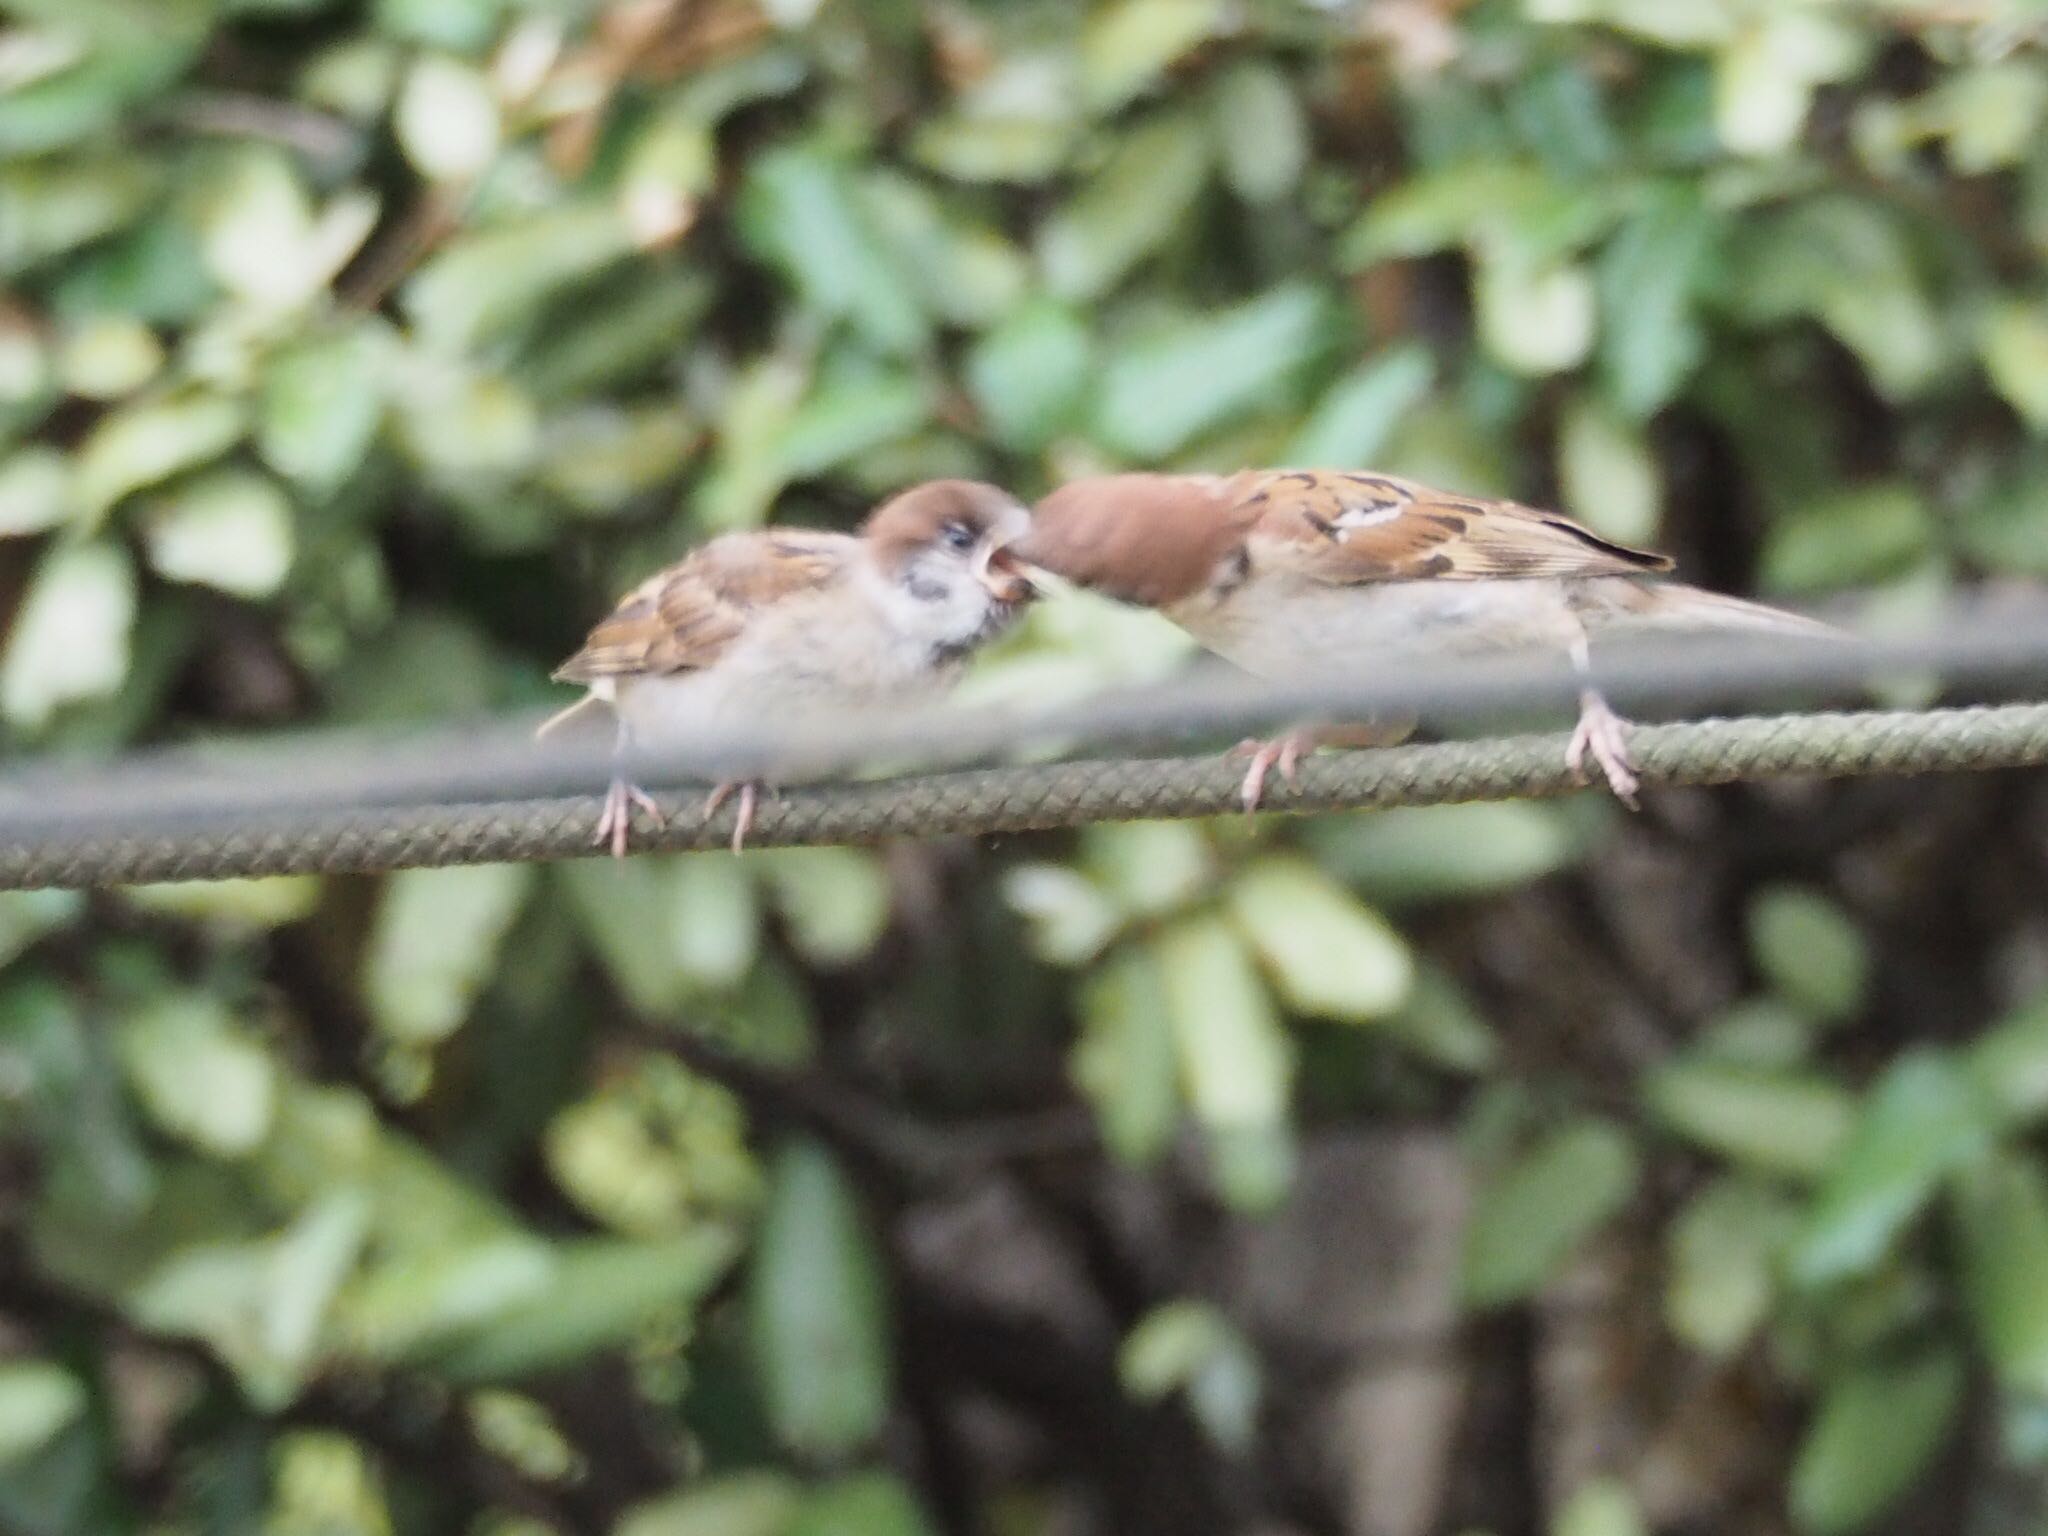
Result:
141,847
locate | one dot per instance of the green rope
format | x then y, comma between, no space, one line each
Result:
1016,799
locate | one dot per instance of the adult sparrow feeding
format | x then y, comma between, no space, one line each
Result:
782,622
1291,571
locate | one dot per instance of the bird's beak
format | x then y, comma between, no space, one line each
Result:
1005,576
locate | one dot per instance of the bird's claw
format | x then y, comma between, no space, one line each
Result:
616,819
1602,735
1283,752
742,822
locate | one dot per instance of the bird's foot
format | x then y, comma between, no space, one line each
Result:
744,820
1283,752
616,819
1602,735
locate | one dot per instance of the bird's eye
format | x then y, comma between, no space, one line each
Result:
957,536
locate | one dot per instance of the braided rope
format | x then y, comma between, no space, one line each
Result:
1016,799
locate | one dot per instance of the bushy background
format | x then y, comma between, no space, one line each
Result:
1511,1168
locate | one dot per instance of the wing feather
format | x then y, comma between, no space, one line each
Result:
1350,529
684,618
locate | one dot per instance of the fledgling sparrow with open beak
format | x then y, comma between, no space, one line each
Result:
784,622
1287,572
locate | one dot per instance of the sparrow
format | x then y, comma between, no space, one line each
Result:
1286,571
781,622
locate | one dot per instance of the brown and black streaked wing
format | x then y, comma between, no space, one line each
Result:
1353,528
684,617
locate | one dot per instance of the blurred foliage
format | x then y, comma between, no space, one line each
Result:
353,352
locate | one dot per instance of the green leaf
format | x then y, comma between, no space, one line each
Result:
1533,1215
2010,1064
201,1078
798,211
1775,1122
35,490
1848,538
412,1302
446,119
1535,318
1993,114
751,1503
1649,275
1124,1061
1602,1507
602,1293
322,1480
1357,416
37,1401
142,444
605,461
1766,73
1025,150
835,901
1129,210
968,274
227,528
1846,262
1925,1119
1610,474
83,96
1030,375
2000,1211
714,918
1235,1059
108,356
1879,1425
1262,133
1443,208
492,280
866,1504
851,411
262,1306
1722,1257
49,206
260,236
645,314
69,640
1439,1023
2005,526
236,909
655,1151
1330,954
462,26
322,402
1128,44
1071,921
25,916
1251,1166
1437,852
816,1311
1163,390
434,945
1149,868
1811,952
621,907
1190,1347
1761,1033
2014,343
665,176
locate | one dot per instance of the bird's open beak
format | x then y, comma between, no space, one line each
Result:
1005,576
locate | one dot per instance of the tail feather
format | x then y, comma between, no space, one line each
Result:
1674,606
562,717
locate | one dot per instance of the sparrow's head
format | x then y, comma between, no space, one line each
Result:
945,546
1139,538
